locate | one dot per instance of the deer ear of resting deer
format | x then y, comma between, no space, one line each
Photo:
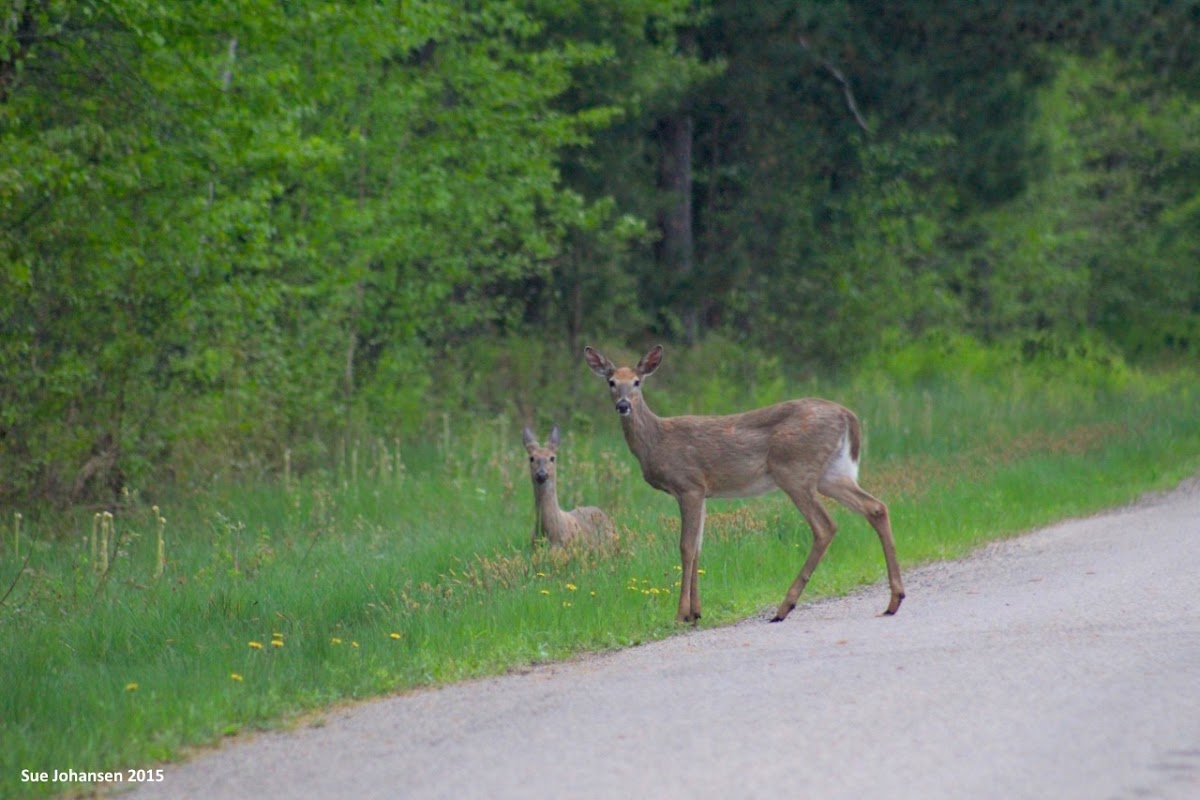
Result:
806,447
558,527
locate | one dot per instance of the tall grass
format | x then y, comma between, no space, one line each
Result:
404,568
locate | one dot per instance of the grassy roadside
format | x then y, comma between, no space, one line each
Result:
412,568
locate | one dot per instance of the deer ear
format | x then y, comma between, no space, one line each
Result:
650,361
555,438
599,364
528,438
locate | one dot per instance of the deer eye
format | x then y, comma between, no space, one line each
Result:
551,459
531,459
612,383
637,383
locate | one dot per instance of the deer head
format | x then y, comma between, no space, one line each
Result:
541,459
624,383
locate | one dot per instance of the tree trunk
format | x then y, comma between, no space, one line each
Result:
676,251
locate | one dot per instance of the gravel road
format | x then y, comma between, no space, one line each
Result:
1063,664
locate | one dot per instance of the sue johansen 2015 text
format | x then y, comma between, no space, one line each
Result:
72,776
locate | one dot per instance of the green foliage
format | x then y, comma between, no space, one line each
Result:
917,364
1094,238
869,173
1034,359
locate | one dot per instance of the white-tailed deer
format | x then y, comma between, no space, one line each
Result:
803,447
559,527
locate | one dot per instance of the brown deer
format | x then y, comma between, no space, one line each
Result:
801,446
586,523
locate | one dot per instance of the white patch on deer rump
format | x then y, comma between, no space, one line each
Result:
842,465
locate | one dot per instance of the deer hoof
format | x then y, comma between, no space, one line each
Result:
893,606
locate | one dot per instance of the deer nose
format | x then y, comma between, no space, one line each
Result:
623,407
540,476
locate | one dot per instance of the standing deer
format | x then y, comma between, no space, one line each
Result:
559,527
801,446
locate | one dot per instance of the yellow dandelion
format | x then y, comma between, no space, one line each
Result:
539,574
700,572
571,587
276,635
277,643
593,593
131,686
395,635
354,644
566,603
335,640
255,645
235,676
545,591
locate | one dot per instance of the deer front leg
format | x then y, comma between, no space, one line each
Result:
691,534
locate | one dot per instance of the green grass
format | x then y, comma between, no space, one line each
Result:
407,569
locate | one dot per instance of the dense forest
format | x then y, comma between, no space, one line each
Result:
236,230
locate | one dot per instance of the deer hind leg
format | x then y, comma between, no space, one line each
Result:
823,530
691,535
846,491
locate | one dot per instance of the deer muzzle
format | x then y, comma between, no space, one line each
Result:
541,476
623,407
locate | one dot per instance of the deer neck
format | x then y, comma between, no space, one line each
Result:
551,520
643,429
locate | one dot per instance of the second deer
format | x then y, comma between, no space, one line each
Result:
586,523
803,447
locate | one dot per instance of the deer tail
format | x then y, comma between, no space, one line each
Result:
853,435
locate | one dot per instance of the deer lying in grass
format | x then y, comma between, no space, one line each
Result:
800,446
586,523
